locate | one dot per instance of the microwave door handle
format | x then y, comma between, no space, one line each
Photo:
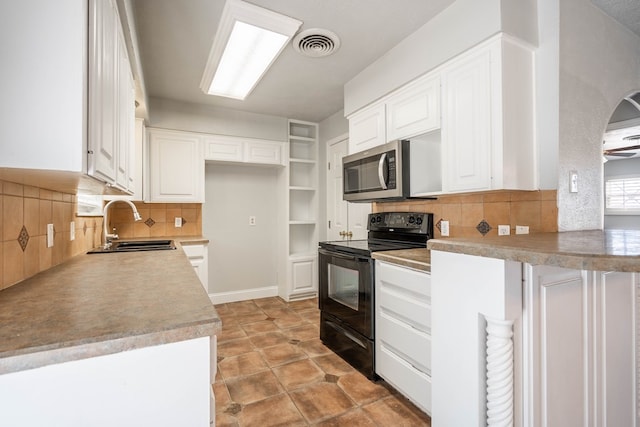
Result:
383,183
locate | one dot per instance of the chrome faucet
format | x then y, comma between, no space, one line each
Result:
107,236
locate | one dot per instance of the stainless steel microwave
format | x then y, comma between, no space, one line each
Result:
380,173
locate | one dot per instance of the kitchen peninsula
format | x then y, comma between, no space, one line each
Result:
108,339
537,329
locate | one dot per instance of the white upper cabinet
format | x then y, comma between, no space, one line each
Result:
466,127
176,167
111,99
83,104
43,84
367,129
414,110
472,120
488,138
224,148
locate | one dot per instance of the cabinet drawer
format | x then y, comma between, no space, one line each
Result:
416,284
410,308
413,384
411,344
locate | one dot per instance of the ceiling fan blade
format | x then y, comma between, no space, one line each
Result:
619,154
615,150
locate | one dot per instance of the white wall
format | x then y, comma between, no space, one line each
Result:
599,65
547,59
622,167
202,118
241,257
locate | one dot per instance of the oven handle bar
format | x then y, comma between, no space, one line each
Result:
346,333
343,256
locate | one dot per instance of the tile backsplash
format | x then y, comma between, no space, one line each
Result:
25,212
536,209
158,219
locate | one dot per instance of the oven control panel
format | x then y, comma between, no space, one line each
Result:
415,222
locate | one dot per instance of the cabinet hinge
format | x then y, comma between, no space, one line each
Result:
329,223
329,166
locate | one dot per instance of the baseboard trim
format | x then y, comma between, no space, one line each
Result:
243,295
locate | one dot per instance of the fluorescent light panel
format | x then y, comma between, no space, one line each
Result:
248,40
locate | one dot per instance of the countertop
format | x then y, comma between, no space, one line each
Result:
101,304
419,259
598,250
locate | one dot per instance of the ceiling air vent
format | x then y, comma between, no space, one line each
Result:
316,42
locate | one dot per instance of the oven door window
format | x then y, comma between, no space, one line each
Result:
344,284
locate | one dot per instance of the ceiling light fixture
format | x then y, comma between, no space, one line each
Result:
249,38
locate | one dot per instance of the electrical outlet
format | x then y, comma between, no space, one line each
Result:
522,229
504,230
72,231
177,222
252,220
49,235
444,228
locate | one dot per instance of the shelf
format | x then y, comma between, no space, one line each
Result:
303,222
305,161
301,256
302,188
301,239
302,130
302,138
302,150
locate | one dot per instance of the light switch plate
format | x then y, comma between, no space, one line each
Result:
72,231
177,223
522,229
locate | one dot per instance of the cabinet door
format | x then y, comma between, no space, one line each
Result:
466,127
125,119
223,149
265,153
414,110
580,340
304,273
367,129
176,167
103,69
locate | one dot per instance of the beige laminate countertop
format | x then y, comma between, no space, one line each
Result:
598,250
419,259
101,304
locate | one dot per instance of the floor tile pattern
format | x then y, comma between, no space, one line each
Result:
273,370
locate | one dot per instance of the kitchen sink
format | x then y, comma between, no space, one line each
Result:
135,246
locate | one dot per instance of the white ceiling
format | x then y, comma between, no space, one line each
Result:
175,37
627,12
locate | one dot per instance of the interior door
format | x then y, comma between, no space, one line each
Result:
342,216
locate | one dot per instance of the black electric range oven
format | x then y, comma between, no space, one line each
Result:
346,283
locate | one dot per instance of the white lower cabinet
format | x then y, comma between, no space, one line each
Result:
581,342
403,331
198,257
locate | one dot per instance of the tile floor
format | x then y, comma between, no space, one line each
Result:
273,370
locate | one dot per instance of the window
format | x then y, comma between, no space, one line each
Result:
622,195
